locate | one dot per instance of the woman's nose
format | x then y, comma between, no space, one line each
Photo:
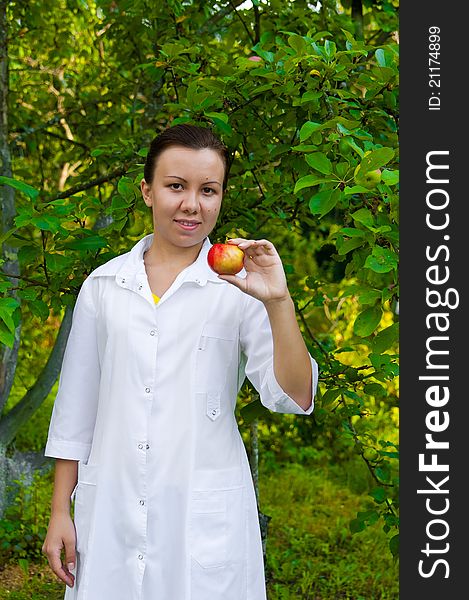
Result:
190,201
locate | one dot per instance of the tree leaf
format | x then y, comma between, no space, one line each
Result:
320,162
367,321
6,336
8,305
308,129
369,297
40,309
21,186
350,244
355,189
91,242
323,202
330,395
363,216
352,231
304,148
379,494
57,262
126,188
376,159
374,389
7,234
390,177
329,48
394,545
386,338
380,57
219,116
381,260
47,223
309,181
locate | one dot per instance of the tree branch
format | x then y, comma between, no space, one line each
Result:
89,184
34,282
34,397
221,14
310,333
64,139
257,24
244,24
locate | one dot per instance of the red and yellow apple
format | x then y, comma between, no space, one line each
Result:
225,259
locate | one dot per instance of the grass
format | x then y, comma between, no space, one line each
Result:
39,583
311,554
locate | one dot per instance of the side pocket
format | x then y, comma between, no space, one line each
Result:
85,494
208,528
216,526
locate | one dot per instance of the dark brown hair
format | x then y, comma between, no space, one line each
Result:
189,136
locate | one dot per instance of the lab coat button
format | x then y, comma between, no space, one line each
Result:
142,502
148,446
140,286
140,557
153,332
147,389
140,446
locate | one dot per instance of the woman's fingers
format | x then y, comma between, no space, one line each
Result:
70,557
254,247
58,568
61,538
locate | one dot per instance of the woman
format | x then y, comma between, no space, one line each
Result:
143,425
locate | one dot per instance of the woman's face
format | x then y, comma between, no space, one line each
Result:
185,194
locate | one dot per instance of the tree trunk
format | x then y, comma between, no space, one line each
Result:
31,401
8,356
35,396
254,462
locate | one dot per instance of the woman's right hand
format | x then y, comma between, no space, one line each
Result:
61,535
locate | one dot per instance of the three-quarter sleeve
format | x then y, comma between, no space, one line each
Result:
75,407
257,361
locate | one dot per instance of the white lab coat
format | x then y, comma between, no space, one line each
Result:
165,504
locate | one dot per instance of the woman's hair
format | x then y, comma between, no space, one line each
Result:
189,136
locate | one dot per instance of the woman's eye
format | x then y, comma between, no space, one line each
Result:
171,185
208,190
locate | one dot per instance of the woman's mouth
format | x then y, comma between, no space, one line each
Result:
187,225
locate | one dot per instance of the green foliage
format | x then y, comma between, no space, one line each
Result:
311,551
312,128
23,527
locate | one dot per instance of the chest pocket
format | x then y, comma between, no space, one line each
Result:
215,352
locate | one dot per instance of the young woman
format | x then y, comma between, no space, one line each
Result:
143,425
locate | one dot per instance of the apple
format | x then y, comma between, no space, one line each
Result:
368,180
225,259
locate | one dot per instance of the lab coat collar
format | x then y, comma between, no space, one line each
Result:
130,266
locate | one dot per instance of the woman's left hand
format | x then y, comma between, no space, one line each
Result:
265,279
